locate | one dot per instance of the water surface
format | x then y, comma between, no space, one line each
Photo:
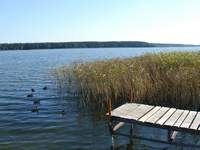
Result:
50,128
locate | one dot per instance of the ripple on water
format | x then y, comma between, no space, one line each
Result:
20,128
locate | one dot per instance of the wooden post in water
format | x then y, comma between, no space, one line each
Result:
110,124
108,104
171,135
131,135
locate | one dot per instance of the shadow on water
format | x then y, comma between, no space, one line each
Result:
148,132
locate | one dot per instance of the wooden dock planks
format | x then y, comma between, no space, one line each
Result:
124,109
182,118
172,120
149,114
188,120
163,117
196,122
154,118
139,112
166,116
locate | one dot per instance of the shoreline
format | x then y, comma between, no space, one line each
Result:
89,44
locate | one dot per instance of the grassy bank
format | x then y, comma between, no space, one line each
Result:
167,79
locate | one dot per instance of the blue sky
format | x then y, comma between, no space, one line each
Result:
166,21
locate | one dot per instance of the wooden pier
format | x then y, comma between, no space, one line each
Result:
171,119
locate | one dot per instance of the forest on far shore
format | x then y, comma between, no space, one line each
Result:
57,45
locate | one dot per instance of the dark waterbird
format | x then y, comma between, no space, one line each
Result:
45,88
32,90
36,102
35,109
30,95
62,112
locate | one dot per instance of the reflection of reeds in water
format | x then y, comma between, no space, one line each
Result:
63,80
167,79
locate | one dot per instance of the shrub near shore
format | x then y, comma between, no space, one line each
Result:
167,79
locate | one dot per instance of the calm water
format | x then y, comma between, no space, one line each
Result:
22,129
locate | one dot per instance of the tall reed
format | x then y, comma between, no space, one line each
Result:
167,79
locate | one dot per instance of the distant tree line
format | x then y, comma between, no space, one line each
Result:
54,45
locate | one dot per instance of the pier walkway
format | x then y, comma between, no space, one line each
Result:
172,119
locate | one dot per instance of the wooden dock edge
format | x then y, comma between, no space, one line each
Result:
171,130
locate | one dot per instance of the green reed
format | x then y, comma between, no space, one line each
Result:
167,78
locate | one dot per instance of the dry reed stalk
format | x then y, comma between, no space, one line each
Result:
167,79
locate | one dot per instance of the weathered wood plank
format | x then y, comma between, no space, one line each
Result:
124,109
130,109
188,120
162,120
149,114
196,122
172,120
157,115
139,112
182,118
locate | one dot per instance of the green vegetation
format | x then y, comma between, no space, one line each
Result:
168,79
53,45
94,44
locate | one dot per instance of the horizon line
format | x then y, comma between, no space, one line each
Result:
94,41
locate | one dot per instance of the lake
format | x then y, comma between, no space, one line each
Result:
59,122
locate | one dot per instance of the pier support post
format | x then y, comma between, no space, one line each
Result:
113,142
171,135
111,133
108,105
131,134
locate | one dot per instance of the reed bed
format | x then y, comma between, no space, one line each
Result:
167,79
